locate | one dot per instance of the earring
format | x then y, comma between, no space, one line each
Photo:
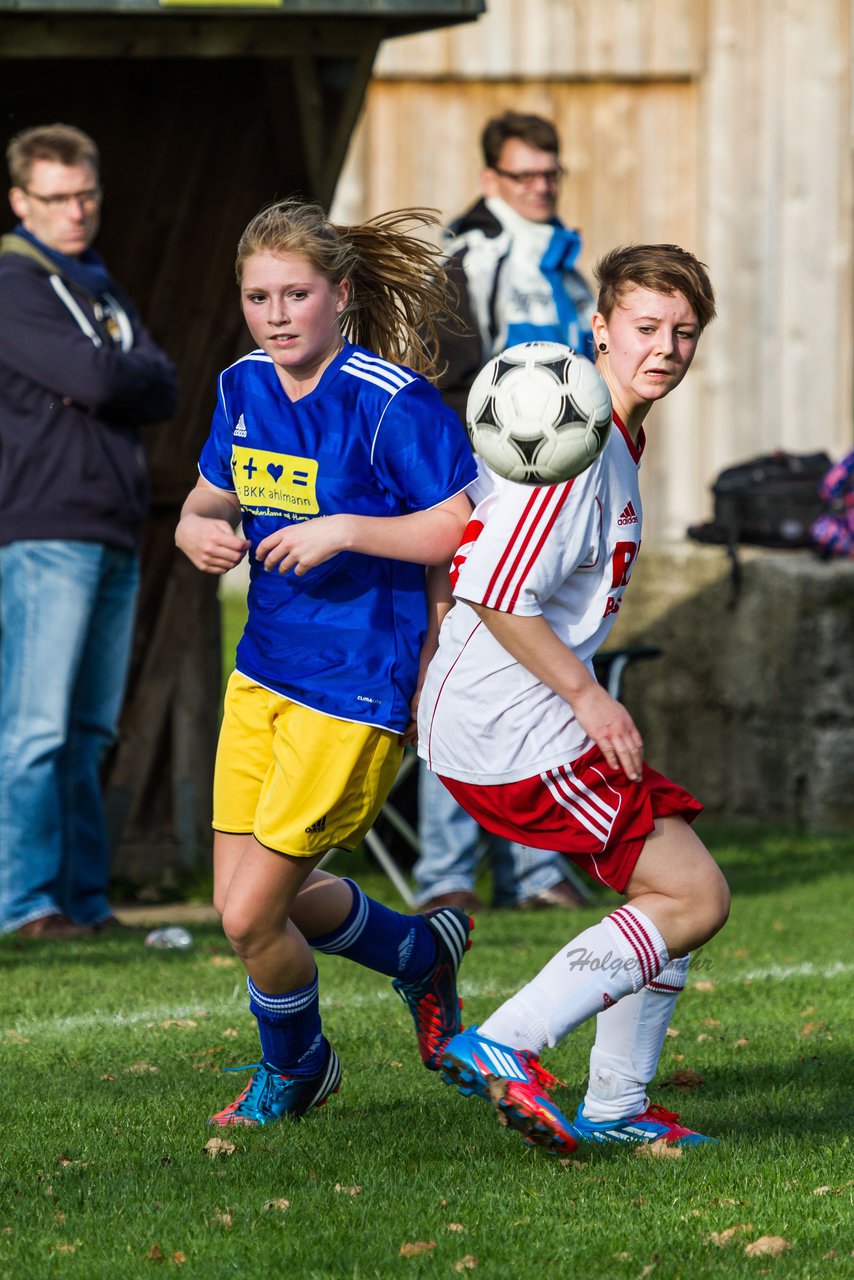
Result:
603,346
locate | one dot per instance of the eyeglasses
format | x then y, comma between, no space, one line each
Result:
528,177
87,199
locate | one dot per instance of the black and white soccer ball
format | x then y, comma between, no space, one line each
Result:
538,413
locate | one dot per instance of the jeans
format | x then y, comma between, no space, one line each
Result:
66,625
452,842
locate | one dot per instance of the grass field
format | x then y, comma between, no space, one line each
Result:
111,1059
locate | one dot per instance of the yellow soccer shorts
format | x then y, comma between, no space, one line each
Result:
299,781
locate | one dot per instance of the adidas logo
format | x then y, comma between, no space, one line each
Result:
240,429
629,515
320,825
404,951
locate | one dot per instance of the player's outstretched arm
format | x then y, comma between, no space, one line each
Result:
531,641
420,537
206,529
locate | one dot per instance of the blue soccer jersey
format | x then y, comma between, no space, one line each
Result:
372,439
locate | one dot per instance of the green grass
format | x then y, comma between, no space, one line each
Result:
111,1058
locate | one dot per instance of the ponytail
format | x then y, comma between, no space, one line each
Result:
398,286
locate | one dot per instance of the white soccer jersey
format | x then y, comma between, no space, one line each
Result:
565,551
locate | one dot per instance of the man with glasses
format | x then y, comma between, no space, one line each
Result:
79,374
512,262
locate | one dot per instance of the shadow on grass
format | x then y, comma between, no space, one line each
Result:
759,860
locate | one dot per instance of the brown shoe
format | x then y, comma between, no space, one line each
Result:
561,894
466,901
113,924
54,926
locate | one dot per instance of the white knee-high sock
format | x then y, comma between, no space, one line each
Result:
629,1040
599,967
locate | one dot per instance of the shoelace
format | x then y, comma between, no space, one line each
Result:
538,1071
254,1089
661,1113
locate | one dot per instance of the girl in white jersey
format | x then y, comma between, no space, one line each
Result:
348,476
512,719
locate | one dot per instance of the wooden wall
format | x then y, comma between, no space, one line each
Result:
722,125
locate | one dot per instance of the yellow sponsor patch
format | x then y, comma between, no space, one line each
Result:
270,483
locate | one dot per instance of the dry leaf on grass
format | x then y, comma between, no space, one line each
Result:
224,962
414,1248
219,1147
658,1150
685,1078
827,1191
180,1024
223,1217
704,986
468,1263
454,1226
347,1191
722,1238
281,1205
140,1069
230,1033
622,1257
767,1246
155,1254
179,1258
672,1032
64,1248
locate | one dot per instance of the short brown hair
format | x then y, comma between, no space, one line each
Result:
62,143
663,268
534,130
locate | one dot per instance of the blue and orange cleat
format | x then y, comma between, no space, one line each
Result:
272,1095
516,1084
652,1125
433,1000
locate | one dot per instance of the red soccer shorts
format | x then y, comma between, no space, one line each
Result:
585,810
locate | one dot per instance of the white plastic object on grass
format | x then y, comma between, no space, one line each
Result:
172,938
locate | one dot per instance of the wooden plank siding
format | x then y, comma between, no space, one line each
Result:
722,125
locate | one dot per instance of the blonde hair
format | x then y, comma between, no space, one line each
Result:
398,287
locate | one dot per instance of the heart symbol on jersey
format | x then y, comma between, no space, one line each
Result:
275,471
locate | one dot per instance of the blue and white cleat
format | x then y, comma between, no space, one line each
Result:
433,1000
272,1095
516,1084
652,1125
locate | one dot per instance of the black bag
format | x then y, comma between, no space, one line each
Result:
769,501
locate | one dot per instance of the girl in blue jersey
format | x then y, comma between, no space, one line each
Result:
348,475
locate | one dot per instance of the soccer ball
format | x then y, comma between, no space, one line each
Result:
538,413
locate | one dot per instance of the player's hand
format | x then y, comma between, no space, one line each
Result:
409,737
302,546
611,727
210,544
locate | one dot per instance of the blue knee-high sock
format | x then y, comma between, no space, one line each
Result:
381,939
289,1026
